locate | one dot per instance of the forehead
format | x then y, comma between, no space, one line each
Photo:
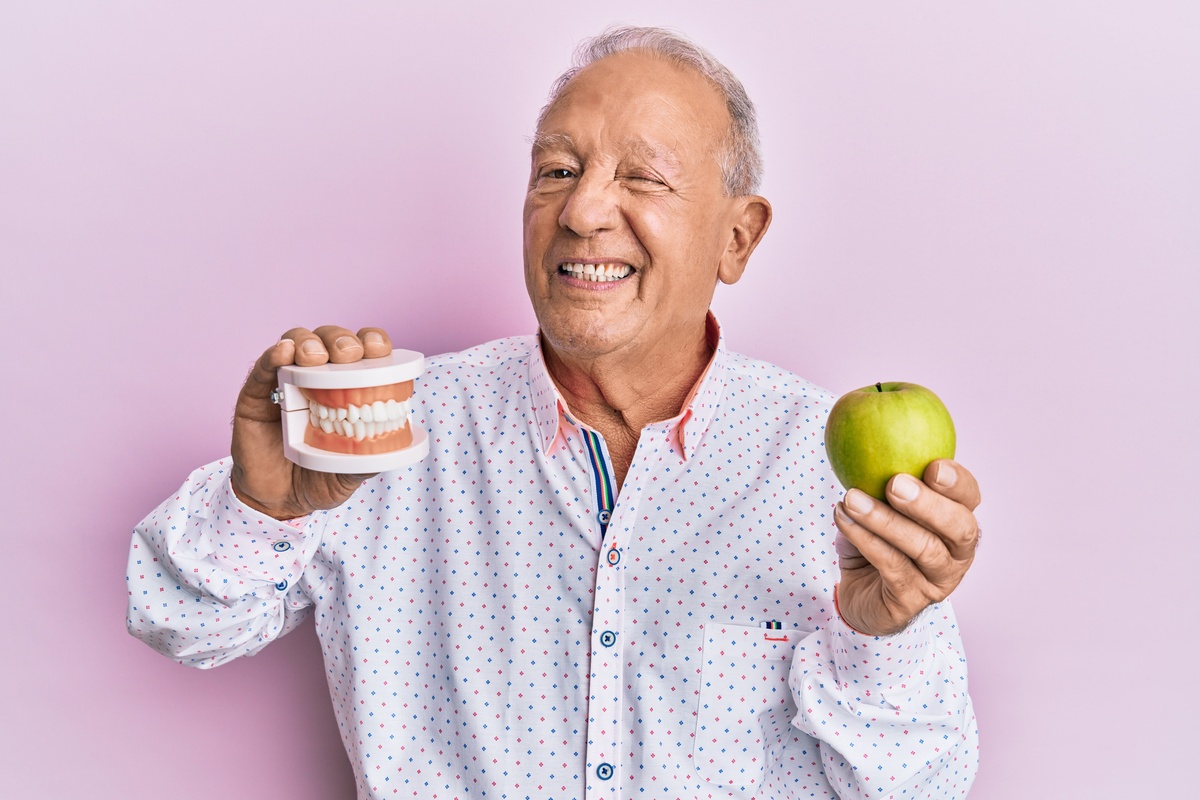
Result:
639,100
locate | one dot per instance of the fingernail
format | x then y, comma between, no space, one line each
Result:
312,347
905,487
372,337
346,343
286,343
859,501
945,475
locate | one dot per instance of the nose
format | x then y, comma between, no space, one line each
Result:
592,206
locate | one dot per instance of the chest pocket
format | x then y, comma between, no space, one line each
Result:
746,707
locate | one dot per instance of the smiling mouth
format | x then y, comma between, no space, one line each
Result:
595,273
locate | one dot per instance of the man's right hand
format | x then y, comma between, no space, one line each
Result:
262,477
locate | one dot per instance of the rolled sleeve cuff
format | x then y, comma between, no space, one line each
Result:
913,669
237,545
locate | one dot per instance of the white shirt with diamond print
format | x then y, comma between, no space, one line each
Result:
487,636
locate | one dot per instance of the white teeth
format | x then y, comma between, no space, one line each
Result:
360,422
598,273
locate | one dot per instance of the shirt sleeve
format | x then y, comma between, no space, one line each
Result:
891,714
211,579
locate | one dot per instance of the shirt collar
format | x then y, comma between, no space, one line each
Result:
701,404
548,405
550,410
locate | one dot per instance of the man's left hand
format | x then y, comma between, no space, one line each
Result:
897,560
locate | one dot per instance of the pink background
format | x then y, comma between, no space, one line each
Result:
999,200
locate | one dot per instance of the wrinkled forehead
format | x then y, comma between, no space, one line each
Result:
639,103
635,145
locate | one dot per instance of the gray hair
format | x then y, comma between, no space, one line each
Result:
739,157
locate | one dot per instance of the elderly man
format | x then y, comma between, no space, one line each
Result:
617,572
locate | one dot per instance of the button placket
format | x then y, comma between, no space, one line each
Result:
606,685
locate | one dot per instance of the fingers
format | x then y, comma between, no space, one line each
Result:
882,537
951,521
306,348
921,542
342,345
884,588
309,348
376,342
900,556
333,343
953,480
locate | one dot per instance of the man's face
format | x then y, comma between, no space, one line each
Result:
625,182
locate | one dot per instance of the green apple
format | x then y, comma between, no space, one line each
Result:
877,431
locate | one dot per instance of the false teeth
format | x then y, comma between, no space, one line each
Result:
362,421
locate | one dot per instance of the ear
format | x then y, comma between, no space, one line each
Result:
751,218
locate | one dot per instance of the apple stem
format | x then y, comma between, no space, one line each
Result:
879,386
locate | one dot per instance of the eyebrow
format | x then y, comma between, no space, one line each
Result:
544,141
636,144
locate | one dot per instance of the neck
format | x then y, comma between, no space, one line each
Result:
620,393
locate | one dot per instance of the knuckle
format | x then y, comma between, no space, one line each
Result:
965,531
886,522
936,594
933,556
894,561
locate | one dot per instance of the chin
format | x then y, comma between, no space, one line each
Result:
583,340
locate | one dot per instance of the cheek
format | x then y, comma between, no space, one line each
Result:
674,242
687,257
538,235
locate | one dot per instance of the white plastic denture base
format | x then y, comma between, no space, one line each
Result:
400,366
320,460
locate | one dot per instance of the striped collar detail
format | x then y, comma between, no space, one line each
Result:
550,410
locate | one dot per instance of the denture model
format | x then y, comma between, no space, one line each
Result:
352,418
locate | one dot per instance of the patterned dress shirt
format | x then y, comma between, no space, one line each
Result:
498,621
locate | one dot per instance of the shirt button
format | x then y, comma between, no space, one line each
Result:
608,638
281,585
604,771
281,547
614,555
604,516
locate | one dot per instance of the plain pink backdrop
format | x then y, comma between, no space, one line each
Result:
999,200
